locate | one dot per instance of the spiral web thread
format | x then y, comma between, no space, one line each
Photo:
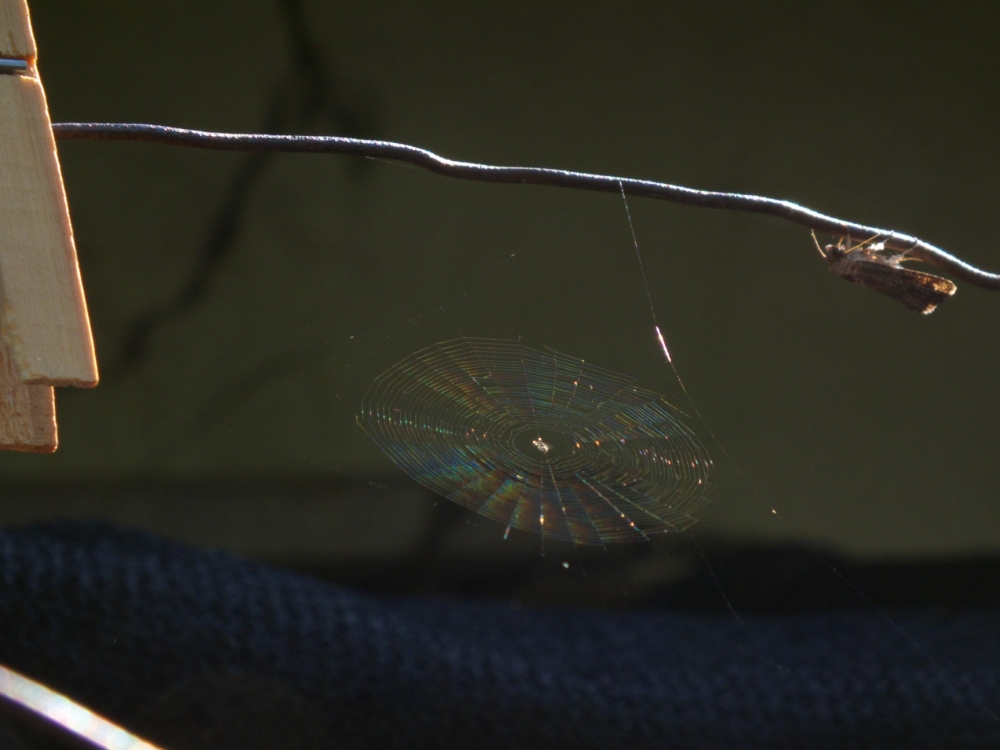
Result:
538,440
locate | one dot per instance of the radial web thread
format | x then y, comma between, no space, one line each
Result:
539,441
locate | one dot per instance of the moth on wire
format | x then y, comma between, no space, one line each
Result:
872,265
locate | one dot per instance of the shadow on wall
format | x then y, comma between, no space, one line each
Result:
224,287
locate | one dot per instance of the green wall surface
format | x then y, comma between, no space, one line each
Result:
869,428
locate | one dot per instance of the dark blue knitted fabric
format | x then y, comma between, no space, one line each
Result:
155,634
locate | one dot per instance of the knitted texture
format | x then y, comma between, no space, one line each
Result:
196,649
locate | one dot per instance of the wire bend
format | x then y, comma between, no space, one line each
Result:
316,144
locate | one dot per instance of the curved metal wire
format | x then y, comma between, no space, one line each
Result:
912,246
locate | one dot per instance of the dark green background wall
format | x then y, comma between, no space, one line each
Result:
870,428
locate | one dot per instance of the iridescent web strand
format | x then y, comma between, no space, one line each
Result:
539,441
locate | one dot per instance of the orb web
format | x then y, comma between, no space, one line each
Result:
539,441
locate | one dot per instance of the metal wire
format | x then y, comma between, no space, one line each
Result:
912,246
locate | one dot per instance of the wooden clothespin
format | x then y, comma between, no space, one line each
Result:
45,337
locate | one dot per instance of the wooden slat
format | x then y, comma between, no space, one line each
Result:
16,39
44,314
27,412
45,335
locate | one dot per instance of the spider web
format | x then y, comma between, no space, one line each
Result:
538,440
